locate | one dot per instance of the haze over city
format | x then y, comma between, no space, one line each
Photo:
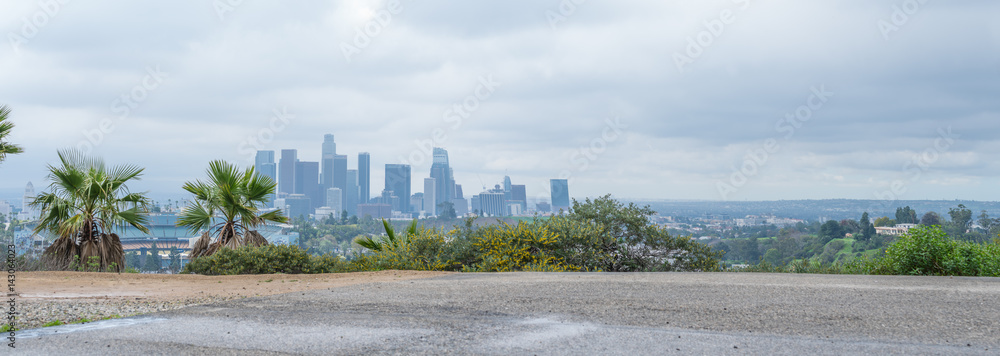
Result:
651,100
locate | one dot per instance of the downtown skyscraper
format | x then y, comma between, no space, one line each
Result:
264,165
397,181
364,177
286,171
444,182
327,152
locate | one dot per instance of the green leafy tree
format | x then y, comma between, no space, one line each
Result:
153,263
85,203
961,221
632,243
132,260
931,219
830,230
885,221
175,260
447,210
867,228
236,198
905,215
5,129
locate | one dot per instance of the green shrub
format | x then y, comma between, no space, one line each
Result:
265,260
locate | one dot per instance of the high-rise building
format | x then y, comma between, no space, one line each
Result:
328,150
461,206
334,197
397,180
560,194
307,183
429,203
417,202
492,203
376,211
264,165
340,172
458,191
442,174
518,195
351,195
475,205
286,171
364,177
297,206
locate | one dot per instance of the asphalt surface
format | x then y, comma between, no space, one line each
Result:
570,314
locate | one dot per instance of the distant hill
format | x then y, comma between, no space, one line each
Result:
814,209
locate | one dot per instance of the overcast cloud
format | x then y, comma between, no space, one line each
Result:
896,89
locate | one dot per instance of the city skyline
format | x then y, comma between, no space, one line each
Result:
720,101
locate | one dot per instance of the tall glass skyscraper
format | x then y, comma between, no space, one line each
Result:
286,171
326,161
351,195
364,177
444,187
264,165
307,183
560,194
397,180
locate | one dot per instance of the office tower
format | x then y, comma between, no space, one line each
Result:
286,171
397,180
417,202
307,182
519,196
340,172
334,197
364,177
492,203
442,174
429,203
376,211
560,194
329,147
351,195
458,191
297,206
461,206
264,165
475,206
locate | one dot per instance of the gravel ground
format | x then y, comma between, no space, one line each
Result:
571,314
44,297
35,313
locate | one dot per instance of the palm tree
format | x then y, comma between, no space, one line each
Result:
86,202
235,196
390,241
5,127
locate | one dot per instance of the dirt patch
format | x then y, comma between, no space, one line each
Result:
82,285
68,297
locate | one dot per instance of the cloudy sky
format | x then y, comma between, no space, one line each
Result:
736,100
